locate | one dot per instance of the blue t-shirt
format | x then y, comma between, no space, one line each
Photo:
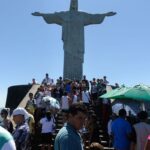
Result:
68,139
120,130
68,88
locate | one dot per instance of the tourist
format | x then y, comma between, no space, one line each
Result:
31,103
39,95
6,123
47,125
59,82
34,81
65,102
39,108
121,132
94,90
21,133
68,138
30,121
47,90
105,80
47,80
68,87
93,129
74,97
106,112
142,130
116,85
86,98
84,80
109,130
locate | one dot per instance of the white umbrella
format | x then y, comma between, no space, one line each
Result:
51,102
116,107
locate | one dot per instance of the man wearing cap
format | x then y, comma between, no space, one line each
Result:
21,133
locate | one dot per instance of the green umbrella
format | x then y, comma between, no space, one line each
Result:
138,92
116,92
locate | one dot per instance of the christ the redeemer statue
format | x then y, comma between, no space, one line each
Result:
73,22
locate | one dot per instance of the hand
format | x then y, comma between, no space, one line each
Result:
111,14
36,14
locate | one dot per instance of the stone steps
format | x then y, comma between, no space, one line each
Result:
103,139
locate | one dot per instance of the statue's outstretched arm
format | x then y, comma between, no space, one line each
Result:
96,18
37,14
110,14
50,18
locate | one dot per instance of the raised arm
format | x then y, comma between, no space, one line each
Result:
50,18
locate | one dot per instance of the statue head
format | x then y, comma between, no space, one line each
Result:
74,5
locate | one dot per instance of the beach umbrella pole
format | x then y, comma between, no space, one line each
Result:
143,106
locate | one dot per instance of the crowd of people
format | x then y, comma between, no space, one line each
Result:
83,114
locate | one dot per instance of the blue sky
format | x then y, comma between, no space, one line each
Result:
118,48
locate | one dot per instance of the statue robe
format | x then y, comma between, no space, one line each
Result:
73,23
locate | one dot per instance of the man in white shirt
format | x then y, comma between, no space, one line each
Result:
47,80
47,124
85,97
74,97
